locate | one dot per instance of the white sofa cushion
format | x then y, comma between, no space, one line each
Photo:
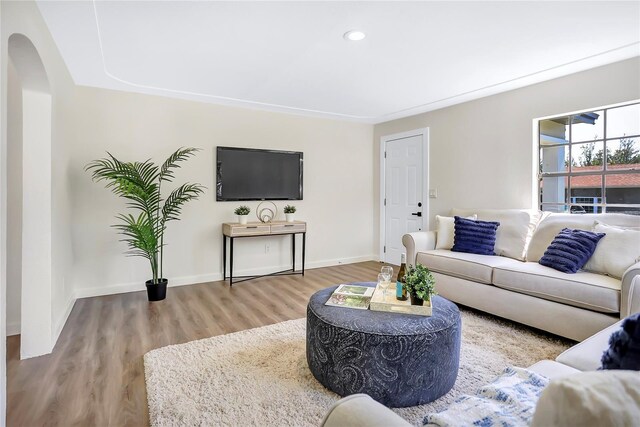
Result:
587,355
361,410
478,268
602,398
445,226
582,289
551,369
515,230
551,225
618,250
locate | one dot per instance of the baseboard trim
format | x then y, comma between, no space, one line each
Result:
59,326
212,277
338,261
13,328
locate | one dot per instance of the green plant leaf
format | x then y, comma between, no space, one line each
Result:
139,183
178,197
418,281
172,162
242,210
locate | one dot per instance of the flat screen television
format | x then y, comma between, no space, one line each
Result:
252,174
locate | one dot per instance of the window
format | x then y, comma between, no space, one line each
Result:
590,161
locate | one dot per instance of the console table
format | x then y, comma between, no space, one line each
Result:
234,230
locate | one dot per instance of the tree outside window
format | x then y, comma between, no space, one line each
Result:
590,161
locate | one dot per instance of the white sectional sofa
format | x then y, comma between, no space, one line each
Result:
512,284
360,410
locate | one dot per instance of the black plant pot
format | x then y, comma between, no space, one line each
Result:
157,292
416,301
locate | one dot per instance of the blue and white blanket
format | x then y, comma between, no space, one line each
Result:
508,401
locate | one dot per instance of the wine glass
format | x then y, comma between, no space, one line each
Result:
384,282
388,270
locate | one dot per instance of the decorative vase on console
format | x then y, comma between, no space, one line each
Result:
243,213
420,284
289,212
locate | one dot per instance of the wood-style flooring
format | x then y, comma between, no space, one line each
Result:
95,375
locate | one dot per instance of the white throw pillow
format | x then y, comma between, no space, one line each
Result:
445,226
515,231
552,223
594,398
618,250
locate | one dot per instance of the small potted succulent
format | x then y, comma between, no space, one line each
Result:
289,212
420,284
243,213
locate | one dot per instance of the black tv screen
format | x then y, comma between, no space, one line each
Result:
251,174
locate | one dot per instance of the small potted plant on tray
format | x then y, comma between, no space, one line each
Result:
289,212
243,213
420,284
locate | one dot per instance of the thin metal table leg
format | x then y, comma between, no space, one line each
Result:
293,252
224,257
304,246
231,261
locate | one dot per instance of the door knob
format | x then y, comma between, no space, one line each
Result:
416,213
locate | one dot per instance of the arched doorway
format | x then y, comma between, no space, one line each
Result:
29,197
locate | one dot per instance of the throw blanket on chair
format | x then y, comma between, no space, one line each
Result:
509,400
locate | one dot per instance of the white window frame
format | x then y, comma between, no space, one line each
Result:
537,147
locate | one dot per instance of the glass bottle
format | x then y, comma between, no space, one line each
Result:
401,292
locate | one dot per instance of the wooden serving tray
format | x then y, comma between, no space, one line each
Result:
392,305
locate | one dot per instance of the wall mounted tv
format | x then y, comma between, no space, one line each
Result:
251,174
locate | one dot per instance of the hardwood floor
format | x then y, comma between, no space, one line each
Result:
95,375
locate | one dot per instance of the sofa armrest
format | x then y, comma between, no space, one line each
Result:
630,292
419,241
587,355
360,410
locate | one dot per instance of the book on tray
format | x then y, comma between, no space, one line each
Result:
352,296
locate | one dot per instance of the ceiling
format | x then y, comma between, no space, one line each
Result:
291,56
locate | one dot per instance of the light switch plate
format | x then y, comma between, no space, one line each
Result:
433,193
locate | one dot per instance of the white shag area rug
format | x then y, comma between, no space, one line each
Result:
260,376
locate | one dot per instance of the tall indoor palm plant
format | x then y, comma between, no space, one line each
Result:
140,183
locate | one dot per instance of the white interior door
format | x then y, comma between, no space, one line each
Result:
404,204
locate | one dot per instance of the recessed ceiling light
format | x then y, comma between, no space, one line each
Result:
354,35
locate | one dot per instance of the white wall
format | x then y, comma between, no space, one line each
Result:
482,152
338,197
3,238
24,18
36,301
14,200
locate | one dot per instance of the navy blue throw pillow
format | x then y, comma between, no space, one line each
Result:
570,250
474,237
624,346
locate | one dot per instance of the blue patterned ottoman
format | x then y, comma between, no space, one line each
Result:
398,359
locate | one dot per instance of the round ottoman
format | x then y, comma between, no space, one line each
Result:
398,359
